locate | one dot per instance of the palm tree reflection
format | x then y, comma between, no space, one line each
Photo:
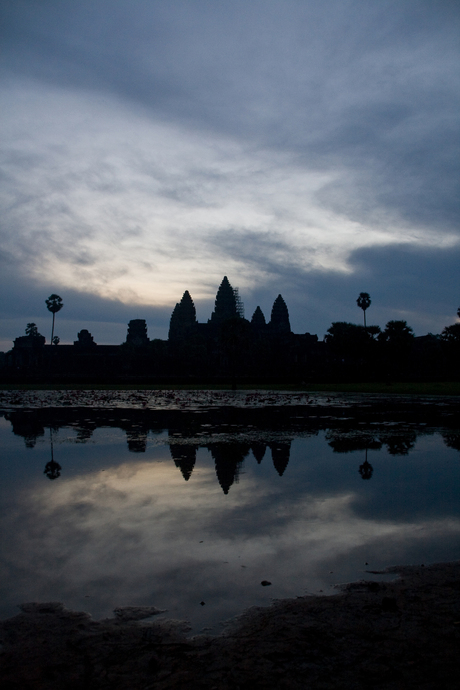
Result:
52,468
366,469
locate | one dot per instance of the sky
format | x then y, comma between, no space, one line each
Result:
302,148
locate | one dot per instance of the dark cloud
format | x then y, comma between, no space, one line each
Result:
410,277
416,285
368,92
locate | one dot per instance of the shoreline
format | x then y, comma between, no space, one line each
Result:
414,388
389,635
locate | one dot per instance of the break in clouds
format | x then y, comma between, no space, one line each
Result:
297,147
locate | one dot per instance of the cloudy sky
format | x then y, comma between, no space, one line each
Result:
299,147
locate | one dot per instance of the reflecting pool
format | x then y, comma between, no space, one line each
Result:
190,509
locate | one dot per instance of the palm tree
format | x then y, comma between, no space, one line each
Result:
54,304
364,302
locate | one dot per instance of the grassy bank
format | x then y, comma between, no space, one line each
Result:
397,388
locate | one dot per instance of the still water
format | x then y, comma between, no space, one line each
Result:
190,510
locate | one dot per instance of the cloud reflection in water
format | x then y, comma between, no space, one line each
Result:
135,532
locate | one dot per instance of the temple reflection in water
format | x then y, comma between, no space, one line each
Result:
169,507
230,438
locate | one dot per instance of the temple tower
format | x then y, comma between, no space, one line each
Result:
183,319
85,339
137,333
279,322
258,322
225,306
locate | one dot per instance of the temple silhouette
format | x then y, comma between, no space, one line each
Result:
231,349
226,348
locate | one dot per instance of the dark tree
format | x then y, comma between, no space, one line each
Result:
347,339
458,312
397,342
54,304
374,331
450,343
56,340
397,333
364,302
32,330
451,334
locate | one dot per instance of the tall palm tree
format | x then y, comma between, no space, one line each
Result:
54,304
364,302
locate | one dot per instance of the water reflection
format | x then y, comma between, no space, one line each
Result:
184,457
280,455
174,509
366,469
52,468
137,439
187,432
258,450
452,440
229,458
402,444
349,441
397,443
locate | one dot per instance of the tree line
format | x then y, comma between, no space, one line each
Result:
393,351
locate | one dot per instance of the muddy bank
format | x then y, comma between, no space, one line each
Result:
392,635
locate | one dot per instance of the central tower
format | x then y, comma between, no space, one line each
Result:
225,306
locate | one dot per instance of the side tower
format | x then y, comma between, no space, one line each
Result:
258,323
183,319
137,333
85,339
279,322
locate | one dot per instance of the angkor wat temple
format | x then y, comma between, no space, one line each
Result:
225,349
229,345
230,349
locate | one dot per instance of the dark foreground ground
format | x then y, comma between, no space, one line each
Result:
403,634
